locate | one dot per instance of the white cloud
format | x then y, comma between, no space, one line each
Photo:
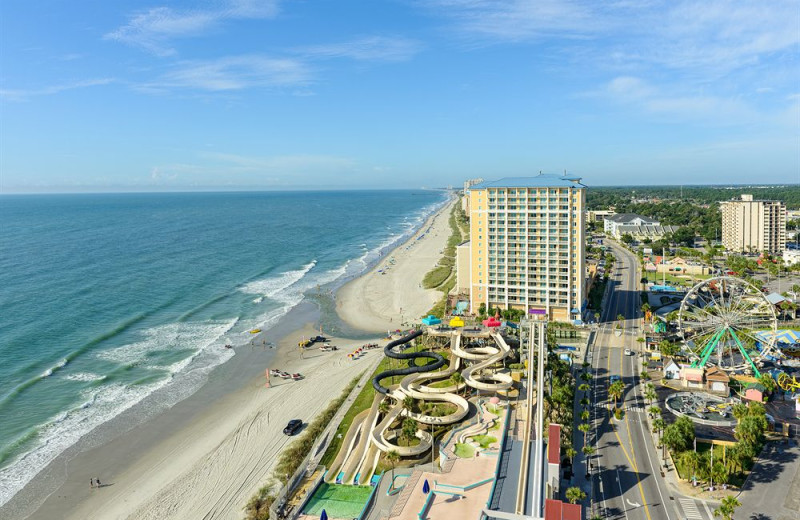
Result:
233,73
22,94
154,28
674,104
372,48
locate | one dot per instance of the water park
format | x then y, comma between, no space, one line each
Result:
428,445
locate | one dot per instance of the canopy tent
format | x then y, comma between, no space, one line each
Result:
431,320
456,322
492,322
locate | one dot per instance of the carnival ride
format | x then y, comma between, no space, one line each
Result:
372,432
719,317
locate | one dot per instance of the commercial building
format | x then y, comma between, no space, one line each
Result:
753,225
527,244
652,232
611,222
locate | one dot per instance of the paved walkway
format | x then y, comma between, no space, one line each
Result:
773,490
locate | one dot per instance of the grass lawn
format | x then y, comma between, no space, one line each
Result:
484,440
465,451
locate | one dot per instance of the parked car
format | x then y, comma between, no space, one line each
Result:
293,426
628,352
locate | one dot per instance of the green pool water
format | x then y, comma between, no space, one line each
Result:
339,501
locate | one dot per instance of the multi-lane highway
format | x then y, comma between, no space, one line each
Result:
627,477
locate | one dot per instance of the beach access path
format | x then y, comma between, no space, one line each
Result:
392,292
206,459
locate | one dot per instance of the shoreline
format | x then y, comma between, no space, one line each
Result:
180,461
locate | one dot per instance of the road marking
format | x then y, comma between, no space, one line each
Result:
690,510
634,504
710,514
621,495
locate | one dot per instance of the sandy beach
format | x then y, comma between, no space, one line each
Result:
392,293
207,455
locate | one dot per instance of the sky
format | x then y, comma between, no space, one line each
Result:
291,94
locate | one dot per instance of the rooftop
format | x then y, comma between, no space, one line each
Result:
543,180
629,217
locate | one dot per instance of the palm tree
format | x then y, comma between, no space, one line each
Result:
574,494
585,415
727,508
588,451
654,411
658,424
584,387
383,407
393,457
408,403
690,460
457,379
650,395
616,390
571,452
584,428
409,430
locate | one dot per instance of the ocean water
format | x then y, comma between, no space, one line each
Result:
105,299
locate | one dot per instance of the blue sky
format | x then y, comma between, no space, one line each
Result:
227,94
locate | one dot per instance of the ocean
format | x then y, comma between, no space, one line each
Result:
108,298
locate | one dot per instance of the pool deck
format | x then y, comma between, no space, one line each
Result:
453,502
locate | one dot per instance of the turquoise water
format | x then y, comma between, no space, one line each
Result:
108,298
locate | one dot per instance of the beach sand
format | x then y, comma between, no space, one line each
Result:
392,293
207,455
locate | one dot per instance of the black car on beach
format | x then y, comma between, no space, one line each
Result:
293,426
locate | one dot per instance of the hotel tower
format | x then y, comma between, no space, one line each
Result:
527,244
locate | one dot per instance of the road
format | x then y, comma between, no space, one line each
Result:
628,483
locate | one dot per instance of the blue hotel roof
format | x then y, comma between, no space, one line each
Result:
543,180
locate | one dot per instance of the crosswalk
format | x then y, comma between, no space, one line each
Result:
690,509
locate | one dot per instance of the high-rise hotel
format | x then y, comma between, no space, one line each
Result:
753,225
527,244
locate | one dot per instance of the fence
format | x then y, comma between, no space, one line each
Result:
499,459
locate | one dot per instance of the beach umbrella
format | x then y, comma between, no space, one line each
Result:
324,515
426,488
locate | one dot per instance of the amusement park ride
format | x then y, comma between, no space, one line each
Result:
719,317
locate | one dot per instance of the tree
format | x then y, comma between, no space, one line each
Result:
616,390
691,460
739,410
409,429
457,379
668,348
658,425
575,495
587,450
719,473
585,415
769,384
571,452
584,428
675,437
650,395
393,457
627,238
383,407
408,403
727,508
654,411
584,387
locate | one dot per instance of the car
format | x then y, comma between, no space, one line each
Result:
293,426
628,352
614,379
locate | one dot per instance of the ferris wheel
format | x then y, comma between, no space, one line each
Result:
718,319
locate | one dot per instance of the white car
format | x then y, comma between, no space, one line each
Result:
628,352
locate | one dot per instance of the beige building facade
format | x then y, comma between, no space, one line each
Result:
527,240
753,225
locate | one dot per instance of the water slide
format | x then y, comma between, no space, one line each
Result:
355,458
354,433
473,375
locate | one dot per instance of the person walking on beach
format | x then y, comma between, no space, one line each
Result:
98,482
91,482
